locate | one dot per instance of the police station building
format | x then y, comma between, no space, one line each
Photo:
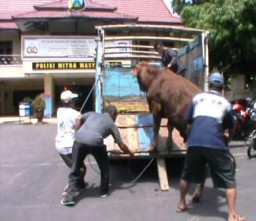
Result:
46,48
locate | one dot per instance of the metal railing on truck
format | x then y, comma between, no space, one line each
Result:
119,49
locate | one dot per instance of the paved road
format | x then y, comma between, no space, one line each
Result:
32,178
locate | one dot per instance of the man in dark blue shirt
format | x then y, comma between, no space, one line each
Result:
209,114
170,59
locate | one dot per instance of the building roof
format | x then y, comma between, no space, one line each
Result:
147,11
111,10
8,25
10,8
60,10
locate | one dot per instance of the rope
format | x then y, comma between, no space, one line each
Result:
134,180
141,173
80,112
97,171
87,97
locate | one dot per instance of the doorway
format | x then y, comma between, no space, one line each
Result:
82,91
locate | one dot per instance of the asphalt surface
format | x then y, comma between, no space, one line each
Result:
32,177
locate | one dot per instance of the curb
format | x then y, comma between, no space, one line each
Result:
4,120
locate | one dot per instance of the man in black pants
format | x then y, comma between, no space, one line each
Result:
89,140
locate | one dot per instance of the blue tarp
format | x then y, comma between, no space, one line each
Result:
119,83
145,134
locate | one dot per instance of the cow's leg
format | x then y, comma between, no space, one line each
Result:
181,126
169,138
157,121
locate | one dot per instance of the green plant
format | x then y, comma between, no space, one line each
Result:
38,103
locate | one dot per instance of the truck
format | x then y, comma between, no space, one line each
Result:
119,49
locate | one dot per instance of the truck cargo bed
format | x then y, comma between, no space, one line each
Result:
137,132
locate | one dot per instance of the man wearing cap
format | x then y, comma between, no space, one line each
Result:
209,115
66,127
89,140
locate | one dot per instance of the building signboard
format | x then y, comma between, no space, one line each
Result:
113,47
62,65
58,47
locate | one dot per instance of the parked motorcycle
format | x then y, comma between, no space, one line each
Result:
251,149
244,113
242,119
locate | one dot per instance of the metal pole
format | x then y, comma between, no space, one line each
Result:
205,54
98,72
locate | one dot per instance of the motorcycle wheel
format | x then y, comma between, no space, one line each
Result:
248,140
251,152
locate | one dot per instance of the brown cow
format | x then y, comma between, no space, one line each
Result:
168,96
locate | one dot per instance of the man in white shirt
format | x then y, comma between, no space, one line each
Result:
67,117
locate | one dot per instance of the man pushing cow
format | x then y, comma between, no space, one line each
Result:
169,96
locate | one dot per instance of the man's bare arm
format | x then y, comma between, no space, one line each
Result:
125,149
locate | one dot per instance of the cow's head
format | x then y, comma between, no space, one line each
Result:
145,74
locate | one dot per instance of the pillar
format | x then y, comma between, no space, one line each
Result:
49,90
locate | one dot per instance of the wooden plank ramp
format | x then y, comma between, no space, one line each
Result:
162,175
138,138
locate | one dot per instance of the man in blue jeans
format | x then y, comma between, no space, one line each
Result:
89,140
208,114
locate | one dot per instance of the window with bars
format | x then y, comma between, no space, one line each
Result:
5,48
6,54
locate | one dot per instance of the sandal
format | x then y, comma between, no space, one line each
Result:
196,198
237,218
181,210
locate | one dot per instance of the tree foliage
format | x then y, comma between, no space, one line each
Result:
232,26
178,5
